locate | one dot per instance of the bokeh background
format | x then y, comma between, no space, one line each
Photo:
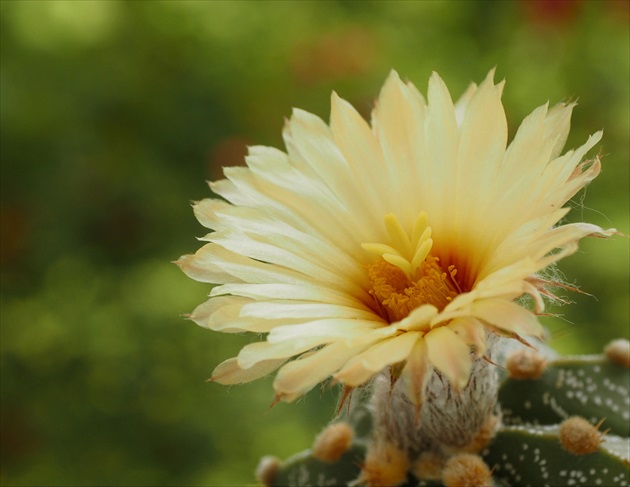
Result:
113,116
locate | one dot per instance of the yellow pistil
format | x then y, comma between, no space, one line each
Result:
406,275
404,252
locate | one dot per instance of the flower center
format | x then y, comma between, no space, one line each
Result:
406,275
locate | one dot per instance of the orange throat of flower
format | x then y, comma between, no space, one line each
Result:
407,275
397,294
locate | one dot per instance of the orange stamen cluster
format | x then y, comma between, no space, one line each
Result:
398,294
407,275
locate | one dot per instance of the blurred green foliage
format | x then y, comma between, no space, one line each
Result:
113,115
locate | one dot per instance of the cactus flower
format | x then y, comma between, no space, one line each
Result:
403,241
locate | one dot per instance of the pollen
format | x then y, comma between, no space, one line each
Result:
406,275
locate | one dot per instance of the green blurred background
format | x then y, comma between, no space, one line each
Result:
113,116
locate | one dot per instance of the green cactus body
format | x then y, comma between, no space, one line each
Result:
533,456
589,386
304,470
527,449
521,455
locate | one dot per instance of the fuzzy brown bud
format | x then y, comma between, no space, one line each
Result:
267,470
526,364
579,437
466,470
618,351
333,442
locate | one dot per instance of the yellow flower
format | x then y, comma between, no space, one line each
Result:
404,241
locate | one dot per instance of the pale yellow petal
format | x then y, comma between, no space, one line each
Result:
316,204
257,248
323,330
229,372
418,319
200,267
206,212
560,236
362,367
307,310
472,332
354,137
263,225
517,245
398,121
203,313
228,319
527,143
462,103
482,143
417,371
299,376
257,352
231,192
557,126
508,316
440,154
300,291
448,353
296,199
561,195
506,280
310,144
559,171
213,263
